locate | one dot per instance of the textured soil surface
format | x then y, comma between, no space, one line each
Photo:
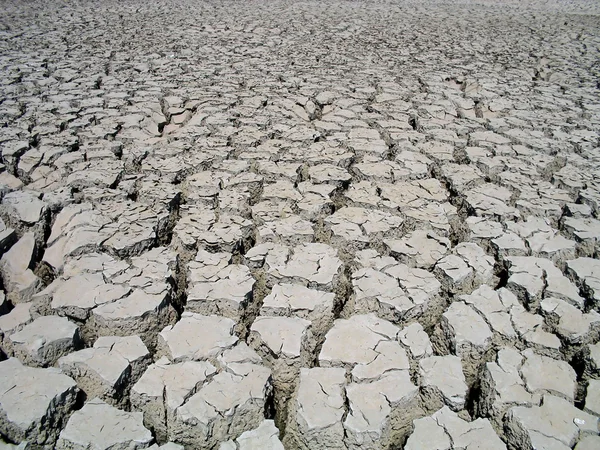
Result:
300,225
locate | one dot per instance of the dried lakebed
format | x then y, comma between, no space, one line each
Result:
300,225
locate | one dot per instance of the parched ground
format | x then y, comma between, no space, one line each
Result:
300,225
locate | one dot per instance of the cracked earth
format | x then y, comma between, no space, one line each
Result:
300,225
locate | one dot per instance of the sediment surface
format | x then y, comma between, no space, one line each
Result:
300,225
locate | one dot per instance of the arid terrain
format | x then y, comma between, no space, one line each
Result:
272,225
